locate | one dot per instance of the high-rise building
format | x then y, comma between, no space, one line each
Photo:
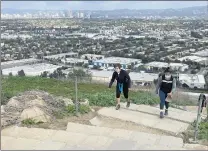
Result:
81,15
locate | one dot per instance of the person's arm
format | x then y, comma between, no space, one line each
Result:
112,79
173,86
158,84
128,79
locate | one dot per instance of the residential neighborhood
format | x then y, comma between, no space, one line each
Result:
35,45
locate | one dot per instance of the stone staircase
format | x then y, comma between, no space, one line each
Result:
78,137
175,123
102,137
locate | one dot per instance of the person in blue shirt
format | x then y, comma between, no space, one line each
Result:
123,84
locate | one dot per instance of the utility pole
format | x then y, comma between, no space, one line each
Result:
76,98
198,117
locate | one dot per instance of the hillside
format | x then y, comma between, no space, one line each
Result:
97,94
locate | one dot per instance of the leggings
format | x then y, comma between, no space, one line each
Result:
125,92
163,103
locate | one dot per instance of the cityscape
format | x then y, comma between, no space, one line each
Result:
60,44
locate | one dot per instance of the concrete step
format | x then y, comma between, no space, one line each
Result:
78,137
175,114
166,125
140,139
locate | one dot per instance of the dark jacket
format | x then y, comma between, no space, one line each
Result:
166,86
122,78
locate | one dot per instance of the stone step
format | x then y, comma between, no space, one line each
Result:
141,138
79,137
175,114
154,122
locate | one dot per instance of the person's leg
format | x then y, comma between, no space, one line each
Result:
126,95
118,93
166,107
162,102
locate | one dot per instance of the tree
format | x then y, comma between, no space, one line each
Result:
79,73
10,74
44,74
21,73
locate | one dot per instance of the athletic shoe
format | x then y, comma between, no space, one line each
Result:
127,104
166,112
117,106
161,115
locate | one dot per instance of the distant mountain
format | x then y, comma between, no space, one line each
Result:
190,11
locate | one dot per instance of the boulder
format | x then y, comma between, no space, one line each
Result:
13,102
67,101
2,109
85,102
39,101
36,114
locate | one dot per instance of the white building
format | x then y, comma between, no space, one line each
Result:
105,76
31,70
92,57
192,80
194,59
15,63
111,61
203,53
162,65
62,55
74,61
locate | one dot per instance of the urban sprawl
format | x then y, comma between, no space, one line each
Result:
145,46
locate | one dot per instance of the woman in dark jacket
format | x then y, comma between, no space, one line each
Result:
165,87
123,84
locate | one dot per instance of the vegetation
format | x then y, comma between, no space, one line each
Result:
97,94
30,121
21,73
203,130
202,134
70,110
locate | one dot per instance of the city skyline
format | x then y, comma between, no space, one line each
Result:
100,5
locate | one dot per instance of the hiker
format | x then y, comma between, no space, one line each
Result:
165,87
123,84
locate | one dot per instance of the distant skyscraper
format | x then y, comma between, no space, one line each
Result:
81,15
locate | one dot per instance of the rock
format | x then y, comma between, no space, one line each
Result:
67,101
85,102
92,110
2,109
35,102
36,114
13,102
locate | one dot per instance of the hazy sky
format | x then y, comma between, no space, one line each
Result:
99,5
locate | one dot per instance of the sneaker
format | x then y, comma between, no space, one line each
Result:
161,115
127,104
166,112
117,106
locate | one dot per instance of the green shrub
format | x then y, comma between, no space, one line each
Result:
83,109
71,109
203,130
30,121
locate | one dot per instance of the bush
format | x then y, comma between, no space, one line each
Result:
203,130
21,73
30,121
71,109
10,74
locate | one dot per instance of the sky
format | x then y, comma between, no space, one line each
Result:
99,5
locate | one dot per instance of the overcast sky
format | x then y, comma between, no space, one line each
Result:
99,5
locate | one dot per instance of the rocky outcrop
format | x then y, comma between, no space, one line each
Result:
37,105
